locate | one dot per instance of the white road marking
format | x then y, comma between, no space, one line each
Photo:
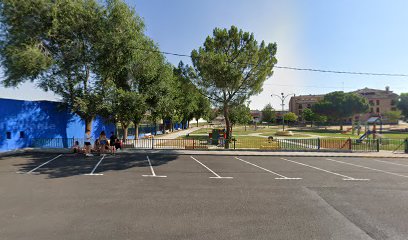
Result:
347,178
32,171
373,169
399,164
96,166
151,168
281,177
216,175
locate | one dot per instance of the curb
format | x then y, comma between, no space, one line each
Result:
222,153
263,153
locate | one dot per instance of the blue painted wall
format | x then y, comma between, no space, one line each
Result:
41,119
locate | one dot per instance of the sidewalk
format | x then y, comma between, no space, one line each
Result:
218,152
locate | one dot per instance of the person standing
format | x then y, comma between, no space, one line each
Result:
112,141
87,142
103,141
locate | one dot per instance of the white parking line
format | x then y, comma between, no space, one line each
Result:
373,169
346,178
398,164
281,177
93,170
216,175
32,171
151,168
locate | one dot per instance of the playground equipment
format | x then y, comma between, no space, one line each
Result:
356,126
373,121
217,136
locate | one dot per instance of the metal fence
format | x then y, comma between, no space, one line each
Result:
277,144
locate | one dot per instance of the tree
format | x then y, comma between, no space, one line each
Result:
290,117
268,114
213,114
403,104
50,42
203,107
187,95
309,116
231,67
128,106
339,105
68,47
160,93
393,116
320,118
240,114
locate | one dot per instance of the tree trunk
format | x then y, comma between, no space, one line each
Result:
88,124
227,126
197,122
137,131
341,126
245,127
125,131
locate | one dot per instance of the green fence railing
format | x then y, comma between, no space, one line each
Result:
277,144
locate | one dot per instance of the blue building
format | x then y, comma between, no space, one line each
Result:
45,123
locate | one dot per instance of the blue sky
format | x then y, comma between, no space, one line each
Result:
348,35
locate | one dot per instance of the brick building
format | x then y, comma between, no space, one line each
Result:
298,104
380,101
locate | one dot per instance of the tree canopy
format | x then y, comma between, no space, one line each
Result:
309,116
240,114
71,47
268,114
403,104
340,105
290,117
231,66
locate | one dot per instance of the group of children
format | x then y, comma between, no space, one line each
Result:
102,144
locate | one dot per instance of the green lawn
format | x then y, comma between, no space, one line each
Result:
261,132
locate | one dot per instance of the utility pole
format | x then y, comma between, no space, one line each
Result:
282,97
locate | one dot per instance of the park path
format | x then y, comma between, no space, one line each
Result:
177,134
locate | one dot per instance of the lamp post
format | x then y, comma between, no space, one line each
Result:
282,97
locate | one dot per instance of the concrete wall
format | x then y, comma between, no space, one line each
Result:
26,120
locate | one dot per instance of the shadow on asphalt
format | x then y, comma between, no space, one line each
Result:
69,165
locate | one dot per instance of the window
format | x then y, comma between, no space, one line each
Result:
300,106
22,134
309,106
300,112
393,109
371,102
378,102
378,110
8,135
393,102
371,110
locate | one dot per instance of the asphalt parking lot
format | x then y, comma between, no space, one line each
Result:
159,196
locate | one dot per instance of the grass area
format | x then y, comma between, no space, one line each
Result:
395,135
256,142
261,132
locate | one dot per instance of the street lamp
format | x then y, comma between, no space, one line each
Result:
282,97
